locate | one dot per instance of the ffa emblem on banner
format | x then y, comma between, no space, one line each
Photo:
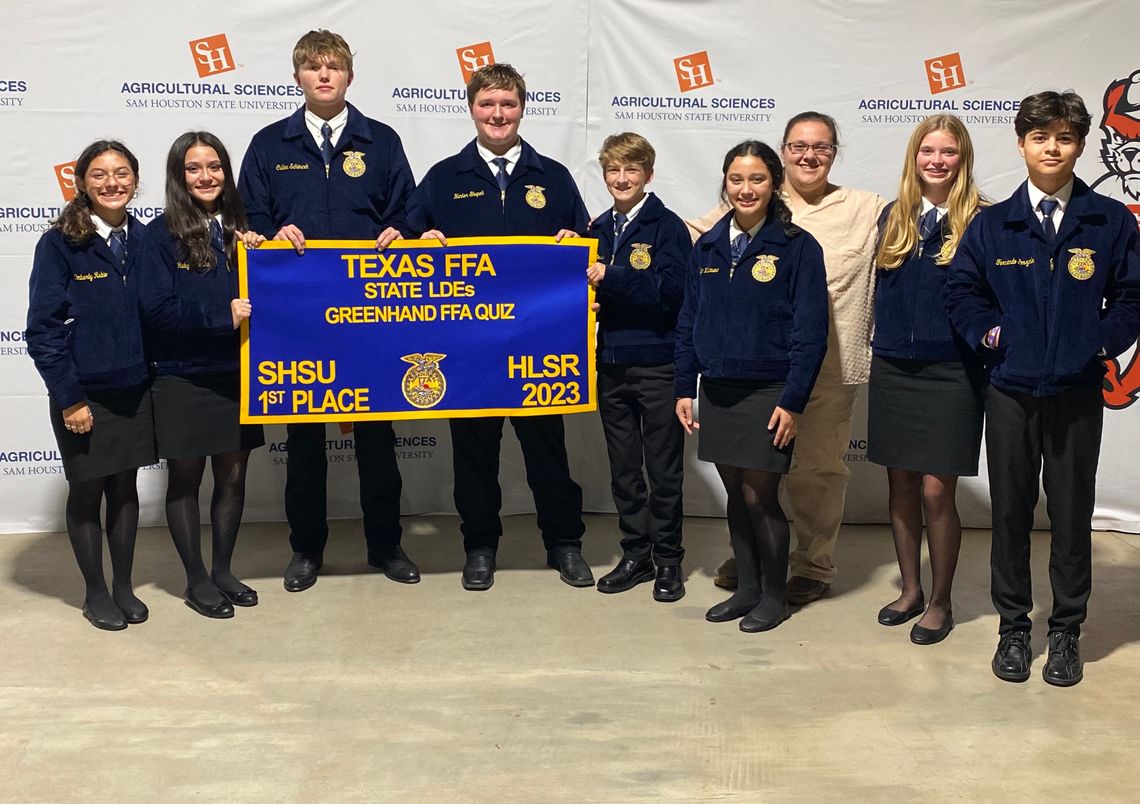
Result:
764,269
424,384
640,258
534,196
354,163
1081,265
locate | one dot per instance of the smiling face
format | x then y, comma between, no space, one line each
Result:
1051,154
808,172
748,187
205,178
325,81
936,164
626,183
110,185
497,113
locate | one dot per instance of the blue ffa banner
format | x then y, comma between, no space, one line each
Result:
479,327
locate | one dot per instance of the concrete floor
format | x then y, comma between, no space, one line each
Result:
361,689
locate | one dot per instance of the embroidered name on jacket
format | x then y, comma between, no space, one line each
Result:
469,194
1025,262
291,166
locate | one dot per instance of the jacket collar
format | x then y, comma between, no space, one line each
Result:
1021,216
355,128
469,161
770,234
603,225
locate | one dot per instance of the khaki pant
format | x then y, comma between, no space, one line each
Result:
817,484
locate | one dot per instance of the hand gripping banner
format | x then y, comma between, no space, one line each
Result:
480,327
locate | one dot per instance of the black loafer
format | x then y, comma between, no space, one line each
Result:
302,571
626,575
729,610
1011,660
931,636
134,611
572,568
105,622
889,616
756,620
246,597
1063,667
219,611
670,584
396,565
478,572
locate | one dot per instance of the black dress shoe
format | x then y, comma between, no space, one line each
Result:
134,610
931,636
626,575
670,584
889,616
572,568
246,597
478,571
759,620
396,565
302,571
1011,660
805,590
1063,667
219,611
731,609
105,621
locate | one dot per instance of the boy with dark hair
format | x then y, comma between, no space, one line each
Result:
640,282
1047,284
328,172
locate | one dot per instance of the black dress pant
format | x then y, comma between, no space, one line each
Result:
644,437
306,496
478,497
1022,433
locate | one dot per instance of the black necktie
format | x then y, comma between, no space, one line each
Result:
1048,206
620,220
739,243
326,146
927,224
501,176
118,244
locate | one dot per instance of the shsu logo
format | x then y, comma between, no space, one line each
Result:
212,55
472,57
693,71
944,73
65,175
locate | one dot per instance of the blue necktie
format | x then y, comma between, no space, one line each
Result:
927,224
501,176
118,244
739,243
1048,206
216,234
326,146
620,220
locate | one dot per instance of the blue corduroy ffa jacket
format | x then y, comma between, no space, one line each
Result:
188,326
644,284
83,326
911,322
1058,306
460,197
768,321
283,180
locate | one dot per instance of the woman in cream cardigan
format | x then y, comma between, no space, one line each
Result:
844,221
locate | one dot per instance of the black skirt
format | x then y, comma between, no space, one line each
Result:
734,417
121,436
925,416
198,415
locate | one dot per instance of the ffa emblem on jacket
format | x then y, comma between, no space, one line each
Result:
1081,265
354,163
640,258
764,269
424,384
946,253
534,196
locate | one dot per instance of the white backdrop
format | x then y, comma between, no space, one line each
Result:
694,76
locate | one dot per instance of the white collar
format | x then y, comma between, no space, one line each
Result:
315,122
734,230
512,156
104,229
1062,196
629,216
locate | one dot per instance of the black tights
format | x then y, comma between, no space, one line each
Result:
84,500
760,537
182,517
913,494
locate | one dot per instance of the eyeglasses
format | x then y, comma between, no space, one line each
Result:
819,148
99,176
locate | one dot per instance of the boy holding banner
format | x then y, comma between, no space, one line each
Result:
640,280
329,172
499,185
